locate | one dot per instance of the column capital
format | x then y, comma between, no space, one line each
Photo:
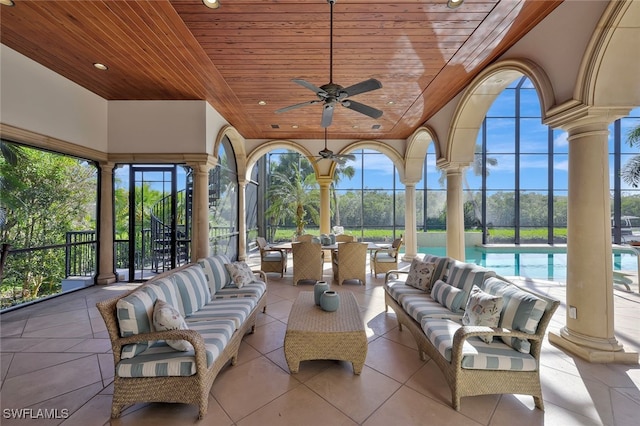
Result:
324,180
451,167
203,166
572,115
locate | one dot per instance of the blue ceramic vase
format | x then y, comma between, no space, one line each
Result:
319,288
329,301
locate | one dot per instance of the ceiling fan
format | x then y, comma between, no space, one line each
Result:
331,93
327,154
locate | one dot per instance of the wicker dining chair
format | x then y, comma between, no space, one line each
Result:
344,238
386,259
308,261
304,238
271,259
350,262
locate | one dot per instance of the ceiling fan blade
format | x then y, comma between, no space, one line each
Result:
300,105
363,86
309,86
362,109
347,157
327,115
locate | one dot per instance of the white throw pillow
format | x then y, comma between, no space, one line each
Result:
482,309
166,317
421,274
240,273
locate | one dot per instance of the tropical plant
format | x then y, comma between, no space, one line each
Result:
631,171
293,196
346,171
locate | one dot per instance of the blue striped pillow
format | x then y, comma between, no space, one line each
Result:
215,271
521,311
447,295
192,288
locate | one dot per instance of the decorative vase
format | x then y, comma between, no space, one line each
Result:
329,301
319,288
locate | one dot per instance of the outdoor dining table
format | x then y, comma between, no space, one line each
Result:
370,246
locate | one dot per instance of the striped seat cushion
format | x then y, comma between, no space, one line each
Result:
161,360
215,271
192,288
521,311
421,306
135,312
255,289
398,290
464,275
237,309
476,354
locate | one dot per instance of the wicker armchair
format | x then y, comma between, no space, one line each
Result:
308,260
271,260
386,259
350,262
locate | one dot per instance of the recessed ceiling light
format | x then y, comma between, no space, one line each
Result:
262,102
7,2
390,103
101,67
294,126
213,4
452,4
355,126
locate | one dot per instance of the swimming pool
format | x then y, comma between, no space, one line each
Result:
542,262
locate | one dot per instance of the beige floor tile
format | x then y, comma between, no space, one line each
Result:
268,337
31,388
393,359
55,345
409,408
356,396
244,388
31,362
299,406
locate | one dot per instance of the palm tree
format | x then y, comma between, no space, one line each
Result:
631,171
341,171
293,197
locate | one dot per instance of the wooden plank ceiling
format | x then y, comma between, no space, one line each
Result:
248,51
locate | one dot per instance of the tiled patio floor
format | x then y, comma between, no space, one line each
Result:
55,355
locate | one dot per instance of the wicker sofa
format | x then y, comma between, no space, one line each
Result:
216,315
475,359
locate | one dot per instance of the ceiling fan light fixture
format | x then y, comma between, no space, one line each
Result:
211,4
452,4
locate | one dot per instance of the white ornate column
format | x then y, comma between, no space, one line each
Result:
589,332
242,219
106,267
200,229
455,214
325,204
410,227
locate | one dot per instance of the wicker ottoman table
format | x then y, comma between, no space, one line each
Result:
315,334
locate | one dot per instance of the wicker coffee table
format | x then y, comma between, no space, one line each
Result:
315,334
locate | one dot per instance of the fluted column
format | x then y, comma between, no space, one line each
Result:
410,229
589,332
106,265
242,219
325,204
455,215
200,231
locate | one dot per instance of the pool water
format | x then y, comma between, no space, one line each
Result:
548,263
